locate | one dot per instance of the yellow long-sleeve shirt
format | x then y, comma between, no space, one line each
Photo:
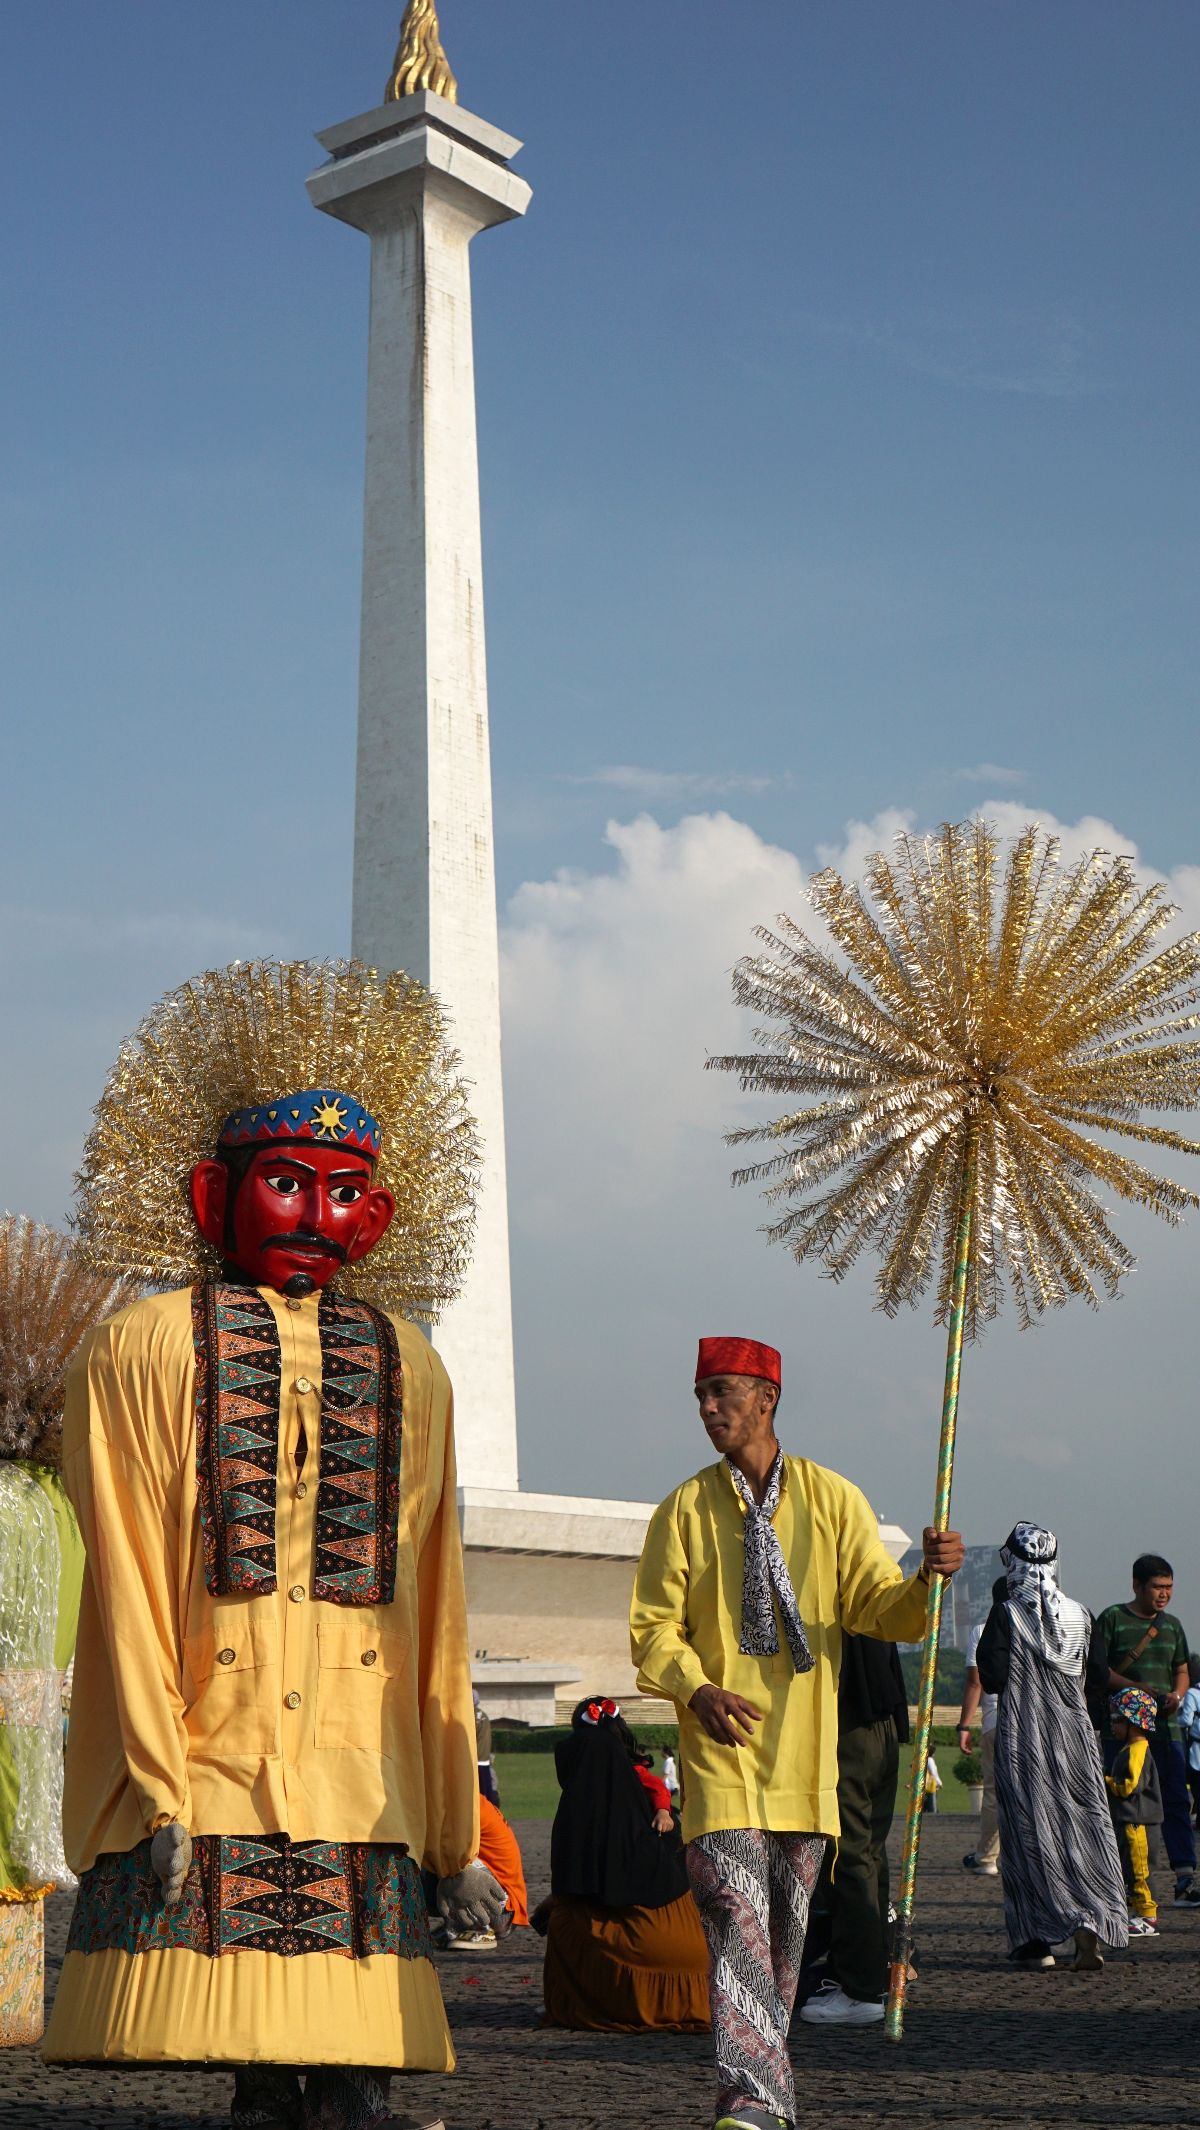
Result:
275,1713
685,1626
1127,1768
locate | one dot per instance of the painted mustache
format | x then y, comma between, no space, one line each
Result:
307,1239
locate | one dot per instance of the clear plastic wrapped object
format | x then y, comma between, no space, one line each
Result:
31,1736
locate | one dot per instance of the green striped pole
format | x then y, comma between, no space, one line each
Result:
898,1980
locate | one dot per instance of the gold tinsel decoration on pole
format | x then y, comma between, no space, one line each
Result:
980,1024
50,1296
420,62
242,1037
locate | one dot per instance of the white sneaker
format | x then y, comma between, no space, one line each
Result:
982,1868
832,2007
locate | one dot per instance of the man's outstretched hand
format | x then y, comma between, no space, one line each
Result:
171,1856
944,1551
726,1717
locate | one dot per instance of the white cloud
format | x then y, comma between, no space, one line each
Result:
628,1241
989,773
861,838
667,785
1038,353
621,978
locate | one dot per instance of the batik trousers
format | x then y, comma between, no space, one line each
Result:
753,1891
268,2097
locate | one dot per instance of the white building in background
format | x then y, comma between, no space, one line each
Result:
548,1576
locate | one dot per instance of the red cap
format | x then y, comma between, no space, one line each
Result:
738,1357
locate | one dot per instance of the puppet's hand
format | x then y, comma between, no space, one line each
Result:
171,1856
472,1900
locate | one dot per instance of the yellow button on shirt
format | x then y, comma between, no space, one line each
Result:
273,1714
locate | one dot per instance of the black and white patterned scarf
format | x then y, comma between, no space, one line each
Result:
1058,1626
765,1576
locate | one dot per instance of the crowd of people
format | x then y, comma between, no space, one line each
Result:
1089,1727
280,1789
1090,1741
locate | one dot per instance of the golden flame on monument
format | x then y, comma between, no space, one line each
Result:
420,62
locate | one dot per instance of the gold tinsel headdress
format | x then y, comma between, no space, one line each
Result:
248,1035
49,1297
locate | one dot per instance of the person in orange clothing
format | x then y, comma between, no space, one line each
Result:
500,1850
272,1725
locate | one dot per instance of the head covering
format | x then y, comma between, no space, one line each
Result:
370,1053
603,1847
319,1114
765,1576
1137,1707
1056,1623
738,1357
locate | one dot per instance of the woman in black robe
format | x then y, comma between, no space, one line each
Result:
624,1947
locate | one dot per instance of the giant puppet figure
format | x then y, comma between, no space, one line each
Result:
272,1729
49,1297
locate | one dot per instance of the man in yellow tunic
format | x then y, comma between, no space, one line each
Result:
272,1726
756,1542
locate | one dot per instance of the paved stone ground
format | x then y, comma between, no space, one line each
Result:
984,2046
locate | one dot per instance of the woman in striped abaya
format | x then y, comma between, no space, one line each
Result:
1058,1852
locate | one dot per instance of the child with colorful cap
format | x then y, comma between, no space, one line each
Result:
1135,1800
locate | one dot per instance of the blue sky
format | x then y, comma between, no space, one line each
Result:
838,437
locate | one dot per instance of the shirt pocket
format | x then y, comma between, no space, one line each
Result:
362,1687
231,1688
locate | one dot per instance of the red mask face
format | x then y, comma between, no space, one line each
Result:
302,1210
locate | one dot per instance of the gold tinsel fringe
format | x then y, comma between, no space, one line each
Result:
246,1035
1017,1004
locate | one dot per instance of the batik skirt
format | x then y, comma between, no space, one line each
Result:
300,1953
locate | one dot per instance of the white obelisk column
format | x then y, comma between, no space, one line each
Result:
421,177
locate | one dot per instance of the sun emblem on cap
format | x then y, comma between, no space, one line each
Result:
329,1115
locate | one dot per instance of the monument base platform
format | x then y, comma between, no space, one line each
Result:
549,1579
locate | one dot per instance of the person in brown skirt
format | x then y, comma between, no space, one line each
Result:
624,1948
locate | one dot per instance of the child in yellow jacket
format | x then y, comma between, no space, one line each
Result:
1135,1801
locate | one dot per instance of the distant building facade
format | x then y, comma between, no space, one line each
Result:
969,1596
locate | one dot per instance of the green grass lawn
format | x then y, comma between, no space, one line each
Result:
952,1796
529,1786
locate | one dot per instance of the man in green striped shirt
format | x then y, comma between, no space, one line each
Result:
1147,1647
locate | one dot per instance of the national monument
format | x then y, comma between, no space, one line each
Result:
548,1576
